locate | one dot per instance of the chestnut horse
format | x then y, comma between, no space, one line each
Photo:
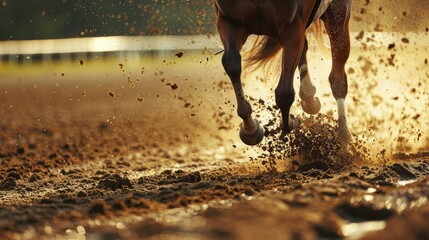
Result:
283,24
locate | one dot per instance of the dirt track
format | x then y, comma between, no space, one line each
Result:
153,152
148,148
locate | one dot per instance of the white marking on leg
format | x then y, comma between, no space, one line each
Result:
344,133
341,108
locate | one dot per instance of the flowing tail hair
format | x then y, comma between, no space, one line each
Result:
266,48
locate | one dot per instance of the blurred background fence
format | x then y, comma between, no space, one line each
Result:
76,49
45,30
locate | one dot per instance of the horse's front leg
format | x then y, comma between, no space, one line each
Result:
233,38
285,93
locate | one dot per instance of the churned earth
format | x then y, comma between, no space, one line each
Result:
147,147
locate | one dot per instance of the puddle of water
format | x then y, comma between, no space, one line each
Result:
358,230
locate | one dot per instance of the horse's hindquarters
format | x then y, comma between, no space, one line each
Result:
265,17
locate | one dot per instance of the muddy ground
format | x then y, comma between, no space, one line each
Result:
146,146
121,149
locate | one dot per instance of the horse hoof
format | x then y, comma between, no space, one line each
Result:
311,106
252,138
294,122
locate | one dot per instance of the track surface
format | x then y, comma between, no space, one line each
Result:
148,148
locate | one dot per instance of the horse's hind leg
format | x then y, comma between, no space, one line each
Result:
233,38
307,90
336,19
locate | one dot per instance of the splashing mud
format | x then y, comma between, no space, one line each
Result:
150,149
386,111
111,165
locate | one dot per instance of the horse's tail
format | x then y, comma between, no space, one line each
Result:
262,51
318,32
265,48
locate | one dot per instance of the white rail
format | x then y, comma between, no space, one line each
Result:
108,44
171,43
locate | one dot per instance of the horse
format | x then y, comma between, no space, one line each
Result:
282,25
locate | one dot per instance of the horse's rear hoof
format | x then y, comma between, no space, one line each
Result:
311,105
253,138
